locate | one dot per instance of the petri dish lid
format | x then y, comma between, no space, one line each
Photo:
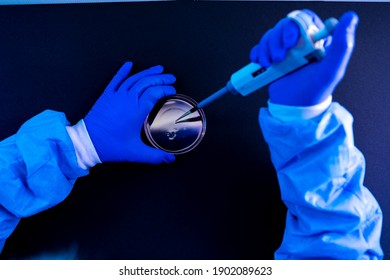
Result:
177,138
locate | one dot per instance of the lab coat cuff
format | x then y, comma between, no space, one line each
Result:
87,156
295,113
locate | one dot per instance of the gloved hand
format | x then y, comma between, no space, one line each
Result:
115,121
313,83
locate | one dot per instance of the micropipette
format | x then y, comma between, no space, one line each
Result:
309,48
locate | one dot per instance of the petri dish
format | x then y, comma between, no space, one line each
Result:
164,133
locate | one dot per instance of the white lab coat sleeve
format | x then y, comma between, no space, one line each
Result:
331,214
38,167
86,154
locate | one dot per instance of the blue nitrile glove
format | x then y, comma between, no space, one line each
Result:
115,121
313,83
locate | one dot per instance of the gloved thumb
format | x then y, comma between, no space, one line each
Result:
340,50
154,156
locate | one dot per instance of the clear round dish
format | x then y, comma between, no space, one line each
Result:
162,130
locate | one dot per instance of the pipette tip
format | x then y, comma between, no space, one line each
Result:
186,114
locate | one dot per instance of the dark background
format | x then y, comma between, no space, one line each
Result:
221,201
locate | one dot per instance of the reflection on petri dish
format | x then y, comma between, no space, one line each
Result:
164,133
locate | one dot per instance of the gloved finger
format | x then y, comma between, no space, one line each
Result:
157,80
343,42
154,156
319,23
275,43
315,18
153,94
126,85
150,97
119,77
253,56
283,36
263,53
290,33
